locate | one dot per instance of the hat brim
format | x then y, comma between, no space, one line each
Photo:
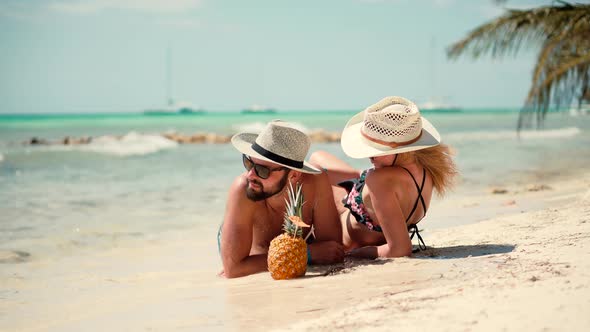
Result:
355,145
243,143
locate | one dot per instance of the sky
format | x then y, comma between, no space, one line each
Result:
69,56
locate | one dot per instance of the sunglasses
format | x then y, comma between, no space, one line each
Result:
262,172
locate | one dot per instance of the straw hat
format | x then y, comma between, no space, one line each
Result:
391,126
280,143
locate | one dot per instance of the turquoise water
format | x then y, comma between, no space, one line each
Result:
23,127
55,200
19,127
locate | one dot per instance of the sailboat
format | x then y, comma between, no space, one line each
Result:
258,109
439,106
173,107
436,103
581,109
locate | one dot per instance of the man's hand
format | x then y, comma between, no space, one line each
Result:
363,252
326,252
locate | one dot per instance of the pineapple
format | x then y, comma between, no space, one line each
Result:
287,255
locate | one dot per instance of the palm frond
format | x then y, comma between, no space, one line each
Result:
517,28
561,76
561,73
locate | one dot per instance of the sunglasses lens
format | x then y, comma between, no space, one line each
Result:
247,162
262,171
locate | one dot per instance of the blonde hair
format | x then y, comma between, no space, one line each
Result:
438,162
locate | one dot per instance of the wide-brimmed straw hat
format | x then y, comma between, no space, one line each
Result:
393,125
279,142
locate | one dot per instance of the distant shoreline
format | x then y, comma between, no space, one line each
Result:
316,136
238,112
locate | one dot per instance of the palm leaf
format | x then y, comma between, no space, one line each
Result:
561,74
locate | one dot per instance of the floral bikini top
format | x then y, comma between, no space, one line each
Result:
354,202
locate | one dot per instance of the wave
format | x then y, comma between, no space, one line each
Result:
1,157
131,144
512,134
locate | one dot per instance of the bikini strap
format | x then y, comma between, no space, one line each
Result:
419,188
413,229
357,183
363,175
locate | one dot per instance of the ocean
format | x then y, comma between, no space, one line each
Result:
57,200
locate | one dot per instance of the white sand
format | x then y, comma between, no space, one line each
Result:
512,271
526,272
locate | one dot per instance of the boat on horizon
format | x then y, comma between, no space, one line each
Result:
433,106
258,109
173,107
435,101
582,109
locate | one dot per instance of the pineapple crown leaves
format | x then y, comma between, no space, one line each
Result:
293,222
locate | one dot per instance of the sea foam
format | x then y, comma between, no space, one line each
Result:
130,144
512,134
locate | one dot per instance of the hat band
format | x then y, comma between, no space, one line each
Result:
391,144
275,157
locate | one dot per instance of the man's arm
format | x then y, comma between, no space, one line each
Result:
236,235
327,247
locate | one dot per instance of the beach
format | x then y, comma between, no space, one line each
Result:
118,170
123,238
526,269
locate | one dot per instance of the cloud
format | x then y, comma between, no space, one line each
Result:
181,23
491,11
436,3
443,3
18,11
381,1
94,6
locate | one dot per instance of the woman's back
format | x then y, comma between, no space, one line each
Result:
384,203
409,183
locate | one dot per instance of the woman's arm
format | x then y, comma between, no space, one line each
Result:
337,169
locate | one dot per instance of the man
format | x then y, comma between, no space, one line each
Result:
256,203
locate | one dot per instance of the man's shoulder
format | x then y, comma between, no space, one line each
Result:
238,206
239,181
237,189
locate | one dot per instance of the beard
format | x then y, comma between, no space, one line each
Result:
262,194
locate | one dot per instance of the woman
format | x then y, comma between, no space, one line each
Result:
380,205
